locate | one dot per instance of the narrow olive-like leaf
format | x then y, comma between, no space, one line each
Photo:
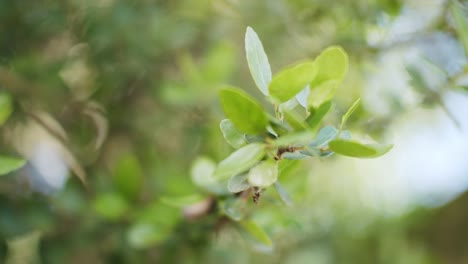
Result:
290,81
238,183
358,150
302,96
298,138
255,235
324,136
322,93
9,164
331,64
317,115
257,60
6,107
294,120
245,113
234,137
461,23
283,193
264,174
348,113
181,201
240,160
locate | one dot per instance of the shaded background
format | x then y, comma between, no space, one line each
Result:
124,93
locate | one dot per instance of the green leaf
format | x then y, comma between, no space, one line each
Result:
331,64
461,24
9,164
294,120
232,207
128,175
290,81
238,183
298,138
349,113
302,96
245,113
233,136
264,174
257,60
283,193
6,107
322,93
202,175
317,115
241,160
181,201
358,150
111,206
294,155
143,235
255,235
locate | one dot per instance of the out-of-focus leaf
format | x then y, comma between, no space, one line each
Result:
290,81
322,93
358,150
202,175
255,235
233,136
245,113
461,24
6,107
110,206
298,138
264,174
181,201
238,183
233,208
240,160
142,235
9,164
294,155
24,248
283,193
331,64
348,113
128,175
294,120
257,60
317,115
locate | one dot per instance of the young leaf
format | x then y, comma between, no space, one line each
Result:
255,235
324,136
283,193
257,60
239,161
358,150
238,183
290,81
317,115
331,64
349,113
9,164
6,107
294,120
245,113
322,93
264,174
461,24
233,136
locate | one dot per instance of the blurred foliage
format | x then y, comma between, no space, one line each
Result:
123,94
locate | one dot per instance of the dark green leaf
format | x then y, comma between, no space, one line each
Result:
290,81
358,150
245,113
257,60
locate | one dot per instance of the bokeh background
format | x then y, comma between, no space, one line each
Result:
124,94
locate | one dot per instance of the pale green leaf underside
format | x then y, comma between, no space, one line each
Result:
234,137
257,60
264,174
